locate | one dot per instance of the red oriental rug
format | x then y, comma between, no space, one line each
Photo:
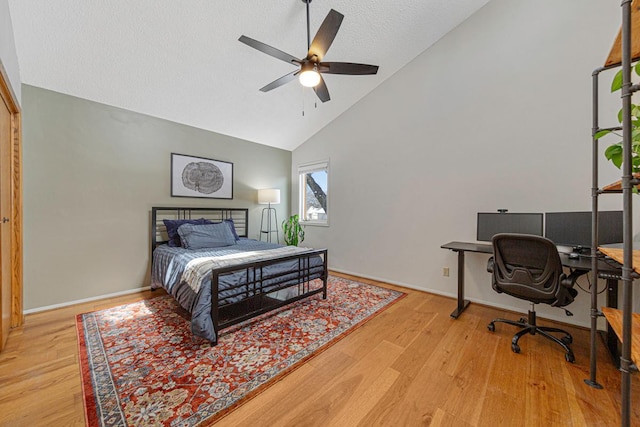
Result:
142,366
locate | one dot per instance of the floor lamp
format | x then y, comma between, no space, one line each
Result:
269,196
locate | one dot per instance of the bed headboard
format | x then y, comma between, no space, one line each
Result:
159,236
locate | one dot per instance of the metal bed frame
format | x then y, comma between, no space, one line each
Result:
258,285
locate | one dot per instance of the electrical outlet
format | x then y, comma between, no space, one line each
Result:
445,271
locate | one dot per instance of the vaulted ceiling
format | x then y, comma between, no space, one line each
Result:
182,61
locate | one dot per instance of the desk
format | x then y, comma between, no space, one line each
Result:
583,264
606,271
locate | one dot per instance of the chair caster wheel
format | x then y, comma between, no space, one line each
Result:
515,348
491,326
569,357
522,320
567,339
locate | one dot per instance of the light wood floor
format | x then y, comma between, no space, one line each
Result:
411,365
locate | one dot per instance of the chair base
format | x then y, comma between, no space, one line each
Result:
529,326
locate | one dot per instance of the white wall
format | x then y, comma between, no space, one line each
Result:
8,56
497,114
91,175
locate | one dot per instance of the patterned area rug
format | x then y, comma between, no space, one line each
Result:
141,366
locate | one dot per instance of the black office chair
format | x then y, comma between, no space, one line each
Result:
528,267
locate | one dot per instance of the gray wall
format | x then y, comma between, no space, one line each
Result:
8,56
92,174
497,114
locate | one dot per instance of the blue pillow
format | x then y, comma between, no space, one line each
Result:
198,236
172,228
232,226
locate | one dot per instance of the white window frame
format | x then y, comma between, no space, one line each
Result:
304,169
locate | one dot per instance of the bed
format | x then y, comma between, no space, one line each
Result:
225,285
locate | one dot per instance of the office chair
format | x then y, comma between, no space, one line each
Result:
529,267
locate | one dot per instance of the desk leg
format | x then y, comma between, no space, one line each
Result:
612,338
462,303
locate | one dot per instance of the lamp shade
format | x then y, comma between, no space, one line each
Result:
269,195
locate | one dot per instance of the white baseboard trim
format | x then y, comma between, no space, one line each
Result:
455,296
394,282
80,301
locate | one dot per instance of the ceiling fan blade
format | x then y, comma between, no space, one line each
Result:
322,91
281,81
347,68
325,35
271,51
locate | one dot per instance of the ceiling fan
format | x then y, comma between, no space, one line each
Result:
311,67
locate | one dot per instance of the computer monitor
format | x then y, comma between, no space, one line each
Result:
490,223
574,228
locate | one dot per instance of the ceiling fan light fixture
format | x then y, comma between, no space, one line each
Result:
309,77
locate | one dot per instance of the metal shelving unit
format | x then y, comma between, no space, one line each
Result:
628,181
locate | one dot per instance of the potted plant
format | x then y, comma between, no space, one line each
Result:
613,152
292,230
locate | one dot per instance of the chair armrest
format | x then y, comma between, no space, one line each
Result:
490,265
570,280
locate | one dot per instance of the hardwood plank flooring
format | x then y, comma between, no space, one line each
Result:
411,365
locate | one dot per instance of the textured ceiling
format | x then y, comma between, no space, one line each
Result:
182,61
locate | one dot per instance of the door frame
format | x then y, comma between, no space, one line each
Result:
9,98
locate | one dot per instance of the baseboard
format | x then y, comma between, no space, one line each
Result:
455,297
396,283
80,301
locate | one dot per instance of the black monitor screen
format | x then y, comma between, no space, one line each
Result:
490,223
574,228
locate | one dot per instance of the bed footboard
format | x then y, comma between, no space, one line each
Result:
259,290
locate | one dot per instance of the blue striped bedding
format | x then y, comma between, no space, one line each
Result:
168,270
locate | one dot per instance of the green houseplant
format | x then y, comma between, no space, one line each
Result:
292,230
614,151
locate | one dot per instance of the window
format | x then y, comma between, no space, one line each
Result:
314,200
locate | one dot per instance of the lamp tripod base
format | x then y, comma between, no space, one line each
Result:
268,215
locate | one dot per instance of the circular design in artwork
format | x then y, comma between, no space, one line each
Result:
202,177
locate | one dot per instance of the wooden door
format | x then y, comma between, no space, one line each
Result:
10,210
5,221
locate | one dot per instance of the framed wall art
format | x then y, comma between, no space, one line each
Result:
193,176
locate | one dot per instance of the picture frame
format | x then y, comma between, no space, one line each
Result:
193,176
